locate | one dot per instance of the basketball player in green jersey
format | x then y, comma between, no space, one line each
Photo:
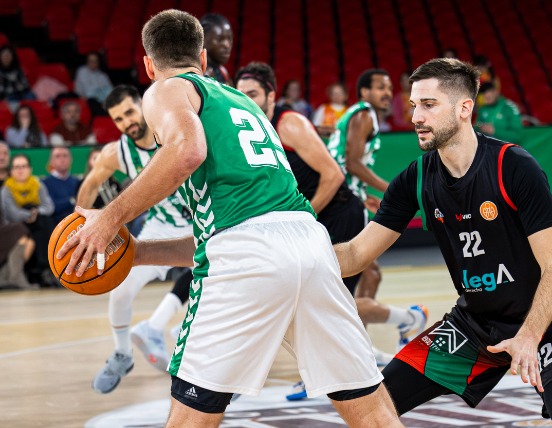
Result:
167,219
264,269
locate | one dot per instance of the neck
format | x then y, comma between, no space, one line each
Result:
458,154
171,72
147,141
3,174
270,111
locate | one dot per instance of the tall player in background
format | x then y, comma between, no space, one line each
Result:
169,218
354,146
264,269
218,42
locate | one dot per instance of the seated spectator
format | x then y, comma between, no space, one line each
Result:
4,162
25,130
401,108
450,53
498,116
16,248
109,189
61,185
93,84
14,86
326,116
71,131
47,88
292,97
25,199
487,74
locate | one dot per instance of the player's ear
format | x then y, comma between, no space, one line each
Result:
271,97
148,63
466,108
203,60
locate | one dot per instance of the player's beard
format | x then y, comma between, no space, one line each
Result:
441,137
139,133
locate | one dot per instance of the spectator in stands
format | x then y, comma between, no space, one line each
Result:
16,248
25,131
498,117
93,84
450,53
487,74
218,39
61,185
4,162
326,116
26,199
14,85
401,108
71,131
292,97
109,189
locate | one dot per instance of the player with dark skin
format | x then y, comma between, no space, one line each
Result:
218,42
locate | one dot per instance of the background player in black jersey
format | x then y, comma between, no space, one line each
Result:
320,179
490,208
218,42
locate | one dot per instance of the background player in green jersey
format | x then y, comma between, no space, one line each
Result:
168,219
264,273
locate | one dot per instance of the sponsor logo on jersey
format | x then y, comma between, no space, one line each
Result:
487,281
439,215
447,338
488,210
461,217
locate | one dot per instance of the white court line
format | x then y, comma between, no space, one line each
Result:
66,318
53,347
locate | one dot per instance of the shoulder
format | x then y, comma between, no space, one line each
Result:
172,91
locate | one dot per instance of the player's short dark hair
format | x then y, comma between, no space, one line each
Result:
455,77
365,79
212,20
173,39
119,93
261,72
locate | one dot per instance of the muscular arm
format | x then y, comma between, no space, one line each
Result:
354,256
360,127
106,165
296,132
171,252
170,108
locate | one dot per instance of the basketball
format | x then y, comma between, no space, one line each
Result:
119,256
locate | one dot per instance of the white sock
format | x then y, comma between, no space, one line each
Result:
121,335
167,309
399,316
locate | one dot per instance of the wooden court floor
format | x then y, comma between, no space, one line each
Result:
52,342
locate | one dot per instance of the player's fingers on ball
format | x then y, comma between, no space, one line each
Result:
75,257
70,243
89,253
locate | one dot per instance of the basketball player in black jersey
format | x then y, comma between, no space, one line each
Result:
320,179
490,208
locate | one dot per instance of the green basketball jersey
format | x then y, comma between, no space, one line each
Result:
132,160
246,173
337,145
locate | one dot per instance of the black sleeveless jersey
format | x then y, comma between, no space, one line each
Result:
307,178
481,222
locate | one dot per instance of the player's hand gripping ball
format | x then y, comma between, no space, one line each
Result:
119,256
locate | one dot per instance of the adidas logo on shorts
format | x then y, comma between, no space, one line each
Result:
191,392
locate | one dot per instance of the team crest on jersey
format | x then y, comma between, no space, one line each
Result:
488,210
439,215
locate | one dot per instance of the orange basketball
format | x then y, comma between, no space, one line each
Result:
119,256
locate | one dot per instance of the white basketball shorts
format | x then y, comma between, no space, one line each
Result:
272,279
